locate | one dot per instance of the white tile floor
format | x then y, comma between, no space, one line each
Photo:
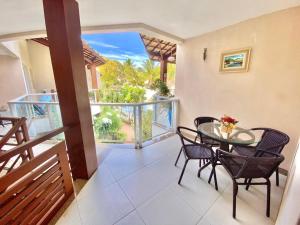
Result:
138,187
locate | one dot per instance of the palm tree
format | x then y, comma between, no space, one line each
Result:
151,71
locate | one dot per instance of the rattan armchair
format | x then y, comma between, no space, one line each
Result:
271,141
196,151
201,137
248,168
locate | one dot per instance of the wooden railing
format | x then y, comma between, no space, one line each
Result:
36,190
16,135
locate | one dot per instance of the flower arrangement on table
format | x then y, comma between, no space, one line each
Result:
228,124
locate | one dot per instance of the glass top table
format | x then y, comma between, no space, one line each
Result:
239,136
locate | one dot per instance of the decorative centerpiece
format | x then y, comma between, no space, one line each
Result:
228,124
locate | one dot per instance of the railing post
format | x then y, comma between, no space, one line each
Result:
137,114
140,126
174,114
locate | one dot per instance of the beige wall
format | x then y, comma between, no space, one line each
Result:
11,80
268,95
41,67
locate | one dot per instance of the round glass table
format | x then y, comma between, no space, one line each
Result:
239,136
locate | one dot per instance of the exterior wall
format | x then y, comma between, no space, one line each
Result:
41,67
266,96
11,79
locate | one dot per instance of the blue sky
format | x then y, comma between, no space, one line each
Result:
118,46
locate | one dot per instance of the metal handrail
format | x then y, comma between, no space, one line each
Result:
15,101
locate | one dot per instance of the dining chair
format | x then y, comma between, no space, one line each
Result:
248,168
196,151
202,138
271,141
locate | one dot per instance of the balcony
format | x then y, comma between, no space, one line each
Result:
140,187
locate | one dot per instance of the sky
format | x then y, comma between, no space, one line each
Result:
118,46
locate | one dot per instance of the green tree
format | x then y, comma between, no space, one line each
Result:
150,71
132,75
112,74
132,94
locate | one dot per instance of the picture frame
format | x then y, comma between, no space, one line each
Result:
235,60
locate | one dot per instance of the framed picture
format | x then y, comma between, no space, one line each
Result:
235,61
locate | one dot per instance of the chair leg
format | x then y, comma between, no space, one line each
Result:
234,193
210,177
182,172
248,185
211,173
215,177
268,197
196,138
203,167
178,156
277,177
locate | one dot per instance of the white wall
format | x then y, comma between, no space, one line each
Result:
268,95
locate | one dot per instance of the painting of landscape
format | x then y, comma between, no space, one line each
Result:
235,61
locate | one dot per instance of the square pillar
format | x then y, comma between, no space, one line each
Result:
163,70
66,50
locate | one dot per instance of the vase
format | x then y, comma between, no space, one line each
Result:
227,128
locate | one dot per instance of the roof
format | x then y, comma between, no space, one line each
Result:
90,55
159,49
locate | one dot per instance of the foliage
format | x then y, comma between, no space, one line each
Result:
132,75
150,71
108,125
147,124
123,82
112,73
161,87
132,94
126,94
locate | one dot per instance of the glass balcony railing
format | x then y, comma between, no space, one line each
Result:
131,123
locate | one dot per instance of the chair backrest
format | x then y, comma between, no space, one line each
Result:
186,135
187,139
250,167
204,119
272,140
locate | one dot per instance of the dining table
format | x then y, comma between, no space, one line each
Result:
239,136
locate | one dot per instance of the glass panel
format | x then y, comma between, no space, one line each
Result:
156,119
113,124
43,114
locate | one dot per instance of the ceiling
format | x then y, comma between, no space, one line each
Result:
182,18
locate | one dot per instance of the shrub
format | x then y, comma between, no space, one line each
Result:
108,125
161,87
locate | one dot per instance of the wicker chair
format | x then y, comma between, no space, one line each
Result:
271,141
203,139
248,167
196,151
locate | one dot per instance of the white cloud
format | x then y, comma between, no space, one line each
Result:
101,44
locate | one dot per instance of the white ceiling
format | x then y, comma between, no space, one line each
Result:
182,18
